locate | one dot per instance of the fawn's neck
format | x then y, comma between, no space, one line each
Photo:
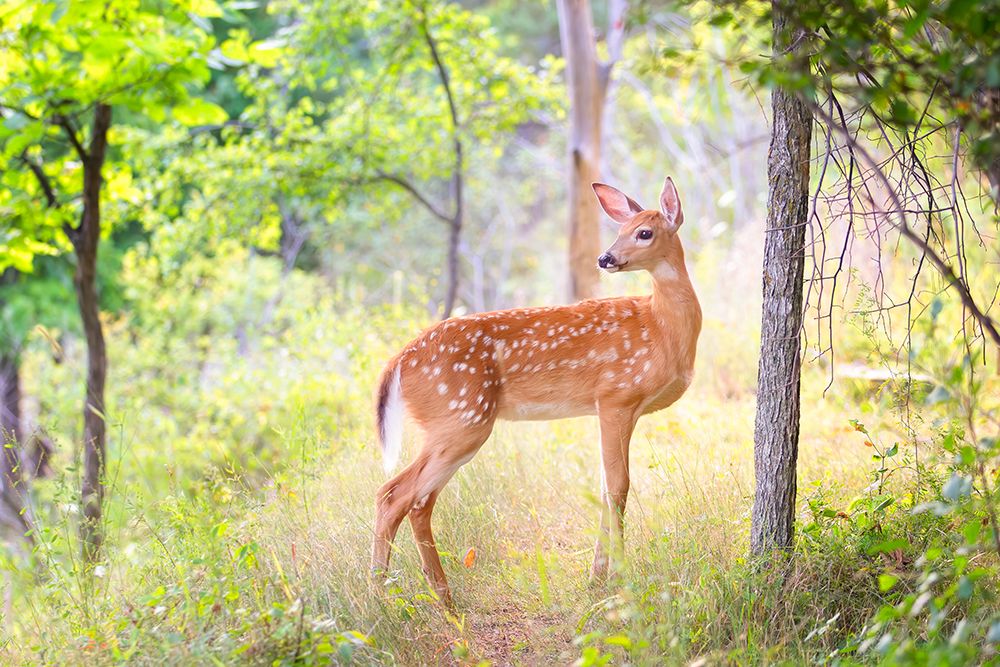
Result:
674,305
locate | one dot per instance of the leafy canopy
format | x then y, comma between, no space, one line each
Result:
911,62
60,59
339,96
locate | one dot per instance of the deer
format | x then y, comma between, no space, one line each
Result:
616,358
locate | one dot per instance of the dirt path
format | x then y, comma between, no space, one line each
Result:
507,634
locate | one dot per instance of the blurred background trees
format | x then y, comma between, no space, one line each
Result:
588,80
247,205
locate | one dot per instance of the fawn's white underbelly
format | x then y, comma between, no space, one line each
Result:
545,410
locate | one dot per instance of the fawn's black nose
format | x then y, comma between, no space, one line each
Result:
606,260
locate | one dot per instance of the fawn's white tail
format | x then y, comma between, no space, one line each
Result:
389,418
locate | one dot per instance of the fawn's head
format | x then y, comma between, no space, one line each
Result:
647,240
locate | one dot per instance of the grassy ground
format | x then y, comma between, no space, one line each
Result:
241,501
233,574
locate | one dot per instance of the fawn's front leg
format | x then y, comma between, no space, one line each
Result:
616,432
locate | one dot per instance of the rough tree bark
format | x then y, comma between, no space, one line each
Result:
587,79
86,239
776,432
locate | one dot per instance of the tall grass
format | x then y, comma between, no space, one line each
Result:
238,570
241,503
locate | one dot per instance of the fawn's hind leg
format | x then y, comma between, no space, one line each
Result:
447,448
420,522
392,501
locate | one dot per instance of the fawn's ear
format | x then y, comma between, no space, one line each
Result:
670,205
619,206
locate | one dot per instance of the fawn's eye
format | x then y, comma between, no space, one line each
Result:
644,234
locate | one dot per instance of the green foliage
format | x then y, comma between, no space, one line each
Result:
60,59
332,110
906,61
229,370
945,614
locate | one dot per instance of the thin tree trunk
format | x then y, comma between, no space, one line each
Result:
10,397
615,41
14,510
86,239
776,433
457,173
586,93
293,238
454,239
991,109
10,378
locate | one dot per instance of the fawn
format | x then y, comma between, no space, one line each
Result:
616,358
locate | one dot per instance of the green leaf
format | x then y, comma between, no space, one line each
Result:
723,18
266,53
887,581
971,531
885,503
965,588
196,111
207,8
619,640
887,546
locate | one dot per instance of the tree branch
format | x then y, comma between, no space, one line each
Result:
455,223
43,180
453,109
409,187
947,272
67,125
615,40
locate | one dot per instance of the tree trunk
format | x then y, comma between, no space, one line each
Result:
454,237
776,433
586,93
14,510
10,378
990,109
85,243
10,397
